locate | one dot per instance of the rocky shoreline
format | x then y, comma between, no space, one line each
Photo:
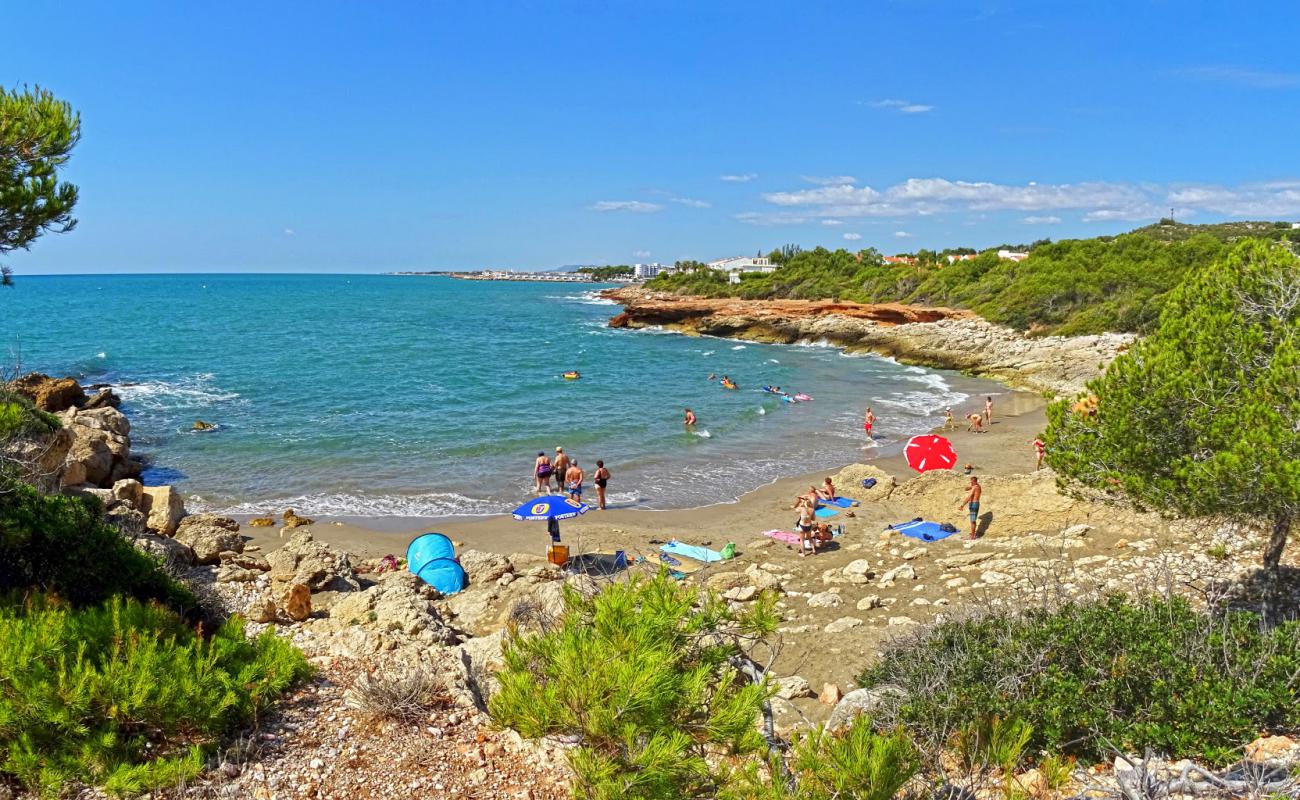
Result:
940,338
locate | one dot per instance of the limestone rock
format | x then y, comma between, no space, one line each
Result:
843,624
792,687
247,560
825,600
165,549
262,610
90,491
861,567
830,694
302,560
994,578
232,573
209,521
481,567
722,581
848,483
399,602
761,578
904,572
292,520
963,560
127,520
164,509
104,398
261,522
297,602
869,602
898,622
129,491
50,394
208,542
481,656
862,701
741,593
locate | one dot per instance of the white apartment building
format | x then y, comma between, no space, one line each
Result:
737,264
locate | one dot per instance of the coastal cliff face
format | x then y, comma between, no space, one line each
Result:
941,338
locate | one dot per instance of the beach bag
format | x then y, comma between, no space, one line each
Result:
948,527
867,483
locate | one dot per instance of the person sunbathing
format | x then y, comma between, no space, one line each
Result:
827,491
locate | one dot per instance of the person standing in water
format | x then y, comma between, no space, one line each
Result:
972,503
542,473
573,481
560,468
869,422
602,480
690,418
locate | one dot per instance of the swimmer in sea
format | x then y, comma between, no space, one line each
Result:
690,418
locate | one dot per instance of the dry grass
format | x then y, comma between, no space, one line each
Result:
401,695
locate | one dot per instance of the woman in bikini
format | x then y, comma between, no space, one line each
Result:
542,473
602,480
807,541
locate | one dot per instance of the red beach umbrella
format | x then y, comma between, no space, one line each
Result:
927,452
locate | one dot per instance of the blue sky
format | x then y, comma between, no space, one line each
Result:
367,137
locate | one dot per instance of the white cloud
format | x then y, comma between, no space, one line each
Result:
641,253
289,232
691,202
902,235
635,206
1242,76
902,106
852,237
744,177
1095,200
828,180
832,222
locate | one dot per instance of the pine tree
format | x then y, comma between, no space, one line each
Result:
1202,417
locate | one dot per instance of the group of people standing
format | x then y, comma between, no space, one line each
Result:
568,476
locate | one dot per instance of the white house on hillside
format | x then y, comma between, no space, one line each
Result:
743,264
1011,255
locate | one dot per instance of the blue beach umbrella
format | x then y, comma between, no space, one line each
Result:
552,509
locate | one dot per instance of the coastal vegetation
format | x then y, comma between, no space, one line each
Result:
37,134
110,672
1202,417
1092,677
1077,286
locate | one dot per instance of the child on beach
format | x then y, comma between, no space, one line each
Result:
948,423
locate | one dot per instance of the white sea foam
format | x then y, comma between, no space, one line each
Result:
773,361
101,354
922,403
739,347
195,391
703,434
347,504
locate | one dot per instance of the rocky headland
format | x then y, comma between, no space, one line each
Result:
941,338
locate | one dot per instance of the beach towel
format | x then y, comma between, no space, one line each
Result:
783,536
842,502
827,512
925,531
692,551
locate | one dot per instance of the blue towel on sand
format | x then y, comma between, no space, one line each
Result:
842,502
691,551
925,531
827,512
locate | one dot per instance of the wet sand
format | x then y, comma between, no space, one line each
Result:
1005,449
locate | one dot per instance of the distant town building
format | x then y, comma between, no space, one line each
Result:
743,264
900,260
1012,255
953,258
644,272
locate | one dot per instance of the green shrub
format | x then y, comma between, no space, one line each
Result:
857,763
125,695
62,545
645,676
18,417
1088,676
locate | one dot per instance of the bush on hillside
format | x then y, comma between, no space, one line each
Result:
62,545
1090,676
125,695
19,418
1071,287
646,680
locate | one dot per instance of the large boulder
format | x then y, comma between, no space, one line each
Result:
100,448
398,603
164,509
167,550
848,483
90,458
41,458
50,394
872,702
129,491
303,560
208,542
131,523
208,521
483,567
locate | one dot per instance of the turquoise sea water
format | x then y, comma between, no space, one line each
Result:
415,396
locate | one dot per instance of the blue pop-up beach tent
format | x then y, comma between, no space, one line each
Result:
432,558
